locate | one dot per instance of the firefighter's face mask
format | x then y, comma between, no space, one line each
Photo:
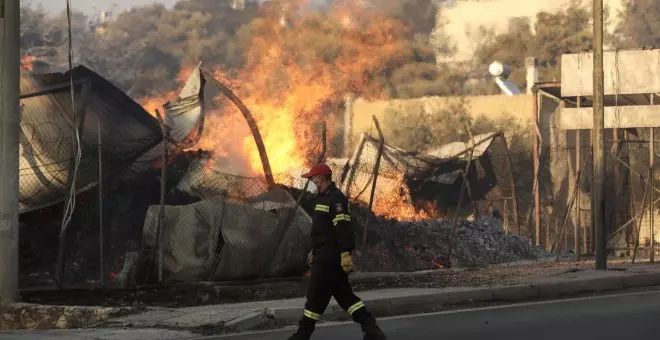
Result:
318,182
312,188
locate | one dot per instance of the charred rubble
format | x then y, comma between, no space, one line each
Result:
125,205
407,246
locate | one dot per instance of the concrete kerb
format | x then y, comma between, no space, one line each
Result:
251,321
428,303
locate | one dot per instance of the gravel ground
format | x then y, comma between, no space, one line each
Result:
397,246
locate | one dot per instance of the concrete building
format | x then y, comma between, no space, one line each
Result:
464,17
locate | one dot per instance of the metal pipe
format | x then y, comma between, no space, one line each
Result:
381,145
537,196
252,124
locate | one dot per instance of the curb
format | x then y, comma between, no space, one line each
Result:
433,302
251,321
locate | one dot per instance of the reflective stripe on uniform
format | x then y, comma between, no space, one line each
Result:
312,315
322,207
341,217
352,309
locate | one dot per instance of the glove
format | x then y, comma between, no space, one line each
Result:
347,262
310,259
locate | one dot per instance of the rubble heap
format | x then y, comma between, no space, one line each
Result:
406,246
398,246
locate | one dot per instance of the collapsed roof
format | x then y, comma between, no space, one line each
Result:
46,151
432,176
130,138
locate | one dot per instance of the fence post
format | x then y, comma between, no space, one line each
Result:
578,206
381,145
100,187
514,193
163,191
652,193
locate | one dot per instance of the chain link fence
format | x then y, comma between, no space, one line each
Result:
212,218
106,245
87,258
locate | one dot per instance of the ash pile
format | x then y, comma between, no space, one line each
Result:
396,246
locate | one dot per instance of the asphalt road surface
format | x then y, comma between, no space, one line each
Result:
616,317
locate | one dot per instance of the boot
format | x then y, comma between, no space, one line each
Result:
371,330
305,329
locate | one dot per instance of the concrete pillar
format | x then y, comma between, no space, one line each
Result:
531,65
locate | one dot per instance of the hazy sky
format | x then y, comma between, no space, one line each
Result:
94,6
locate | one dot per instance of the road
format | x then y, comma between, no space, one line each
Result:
616,317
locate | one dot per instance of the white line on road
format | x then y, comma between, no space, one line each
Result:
654,290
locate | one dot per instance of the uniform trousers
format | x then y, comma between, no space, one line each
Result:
329,280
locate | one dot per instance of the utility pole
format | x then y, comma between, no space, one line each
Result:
9,131
598,202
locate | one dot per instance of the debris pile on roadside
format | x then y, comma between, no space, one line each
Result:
407,246
424,245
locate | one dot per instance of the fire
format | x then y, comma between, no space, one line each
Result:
151,104
27,63
294,76
394,202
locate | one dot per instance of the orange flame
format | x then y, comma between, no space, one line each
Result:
27,63
299,66
151,104
394,202
293,78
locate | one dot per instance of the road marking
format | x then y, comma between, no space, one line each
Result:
653,290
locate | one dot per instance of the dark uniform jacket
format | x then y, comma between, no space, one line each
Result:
332,231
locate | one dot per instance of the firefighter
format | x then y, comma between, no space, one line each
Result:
333,240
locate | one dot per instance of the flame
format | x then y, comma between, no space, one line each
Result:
394,202
153,103
294,76
424,256
27,63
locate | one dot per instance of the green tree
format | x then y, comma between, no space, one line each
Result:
554,34
417,129
142,50
639,25
416,72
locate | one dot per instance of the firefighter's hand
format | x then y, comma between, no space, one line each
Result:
310,259
347,262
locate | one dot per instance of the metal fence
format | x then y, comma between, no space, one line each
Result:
566,189
464,178
105,242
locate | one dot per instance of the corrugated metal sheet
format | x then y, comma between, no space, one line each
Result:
185,119
47,135
460,149
440,166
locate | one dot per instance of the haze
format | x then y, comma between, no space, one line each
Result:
95,6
